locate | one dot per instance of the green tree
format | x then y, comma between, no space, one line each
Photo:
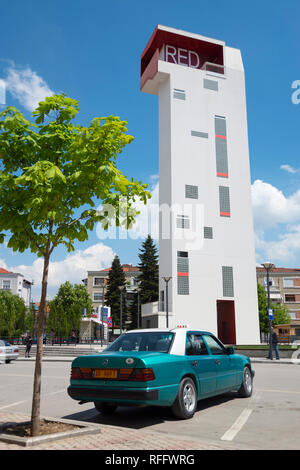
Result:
116,278
66,309
53,173
13,313
149,271
280,312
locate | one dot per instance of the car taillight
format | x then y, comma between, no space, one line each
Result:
16,350
142,375
124,374
76,373
81,373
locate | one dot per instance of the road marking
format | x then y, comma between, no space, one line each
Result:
24,401
241,420
13,404
279,391
237,425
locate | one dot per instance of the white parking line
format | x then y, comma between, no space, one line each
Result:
279,391
241,420
25,401
237,425
13,404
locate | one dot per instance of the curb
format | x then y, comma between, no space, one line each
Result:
86,428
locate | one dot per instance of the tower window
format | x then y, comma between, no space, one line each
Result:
178,94
224,201
191,192
227,274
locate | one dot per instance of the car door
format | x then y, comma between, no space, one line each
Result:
224,364
202,363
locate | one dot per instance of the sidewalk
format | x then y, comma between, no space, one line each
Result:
115,438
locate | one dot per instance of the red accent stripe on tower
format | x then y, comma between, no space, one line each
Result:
224,175
182,274
221,136
225,214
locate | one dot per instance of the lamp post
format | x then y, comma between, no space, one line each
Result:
268,266
167,279
138,290
101,317
121,292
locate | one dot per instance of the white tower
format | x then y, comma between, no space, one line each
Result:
204,183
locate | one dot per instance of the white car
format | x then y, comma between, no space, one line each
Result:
8,352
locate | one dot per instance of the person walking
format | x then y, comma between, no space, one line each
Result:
28,342
275,344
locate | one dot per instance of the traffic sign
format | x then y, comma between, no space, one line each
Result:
270,313
109,322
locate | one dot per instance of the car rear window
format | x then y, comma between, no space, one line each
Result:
159,342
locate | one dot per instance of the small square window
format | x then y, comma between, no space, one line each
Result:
183,221
191,192
208,232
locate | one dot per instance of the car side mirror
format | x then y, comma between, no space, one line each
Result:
230,350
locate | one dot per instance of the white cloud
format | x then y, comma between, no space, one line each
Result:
26,86
73,268
289,169
285,249
271,207
273,210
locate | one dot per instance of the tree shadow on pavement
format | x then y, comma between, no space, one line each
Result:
139,417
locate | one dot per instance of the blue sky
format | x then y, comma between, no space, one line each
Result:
91,50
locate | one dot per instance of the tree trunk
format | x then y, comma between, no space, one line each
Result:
36,398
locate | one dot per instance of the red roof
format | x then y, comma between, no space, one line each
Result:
279,270
4,271
126,268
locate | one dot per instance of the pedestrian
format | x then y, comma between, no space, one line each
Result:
28,342
274,344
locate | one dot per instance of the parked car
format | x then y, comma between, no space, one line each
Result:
162,367
8,352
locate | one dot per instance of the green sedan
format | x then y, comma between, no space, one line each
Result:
161,367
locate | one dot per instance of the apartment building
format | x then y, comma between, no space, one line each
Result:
16,284
284,288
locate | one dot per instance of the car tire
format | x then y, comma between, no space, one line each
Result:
105,408
185,404
246,388
7,361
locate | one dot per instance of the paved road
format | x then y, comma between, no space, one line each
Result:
268,420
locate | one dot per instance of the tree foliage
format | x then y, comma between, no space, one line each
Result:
52,175
149,271
280,312
66,310
13,313
116,278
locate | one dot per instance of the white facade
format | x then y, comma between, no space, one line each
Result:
204,177
16,284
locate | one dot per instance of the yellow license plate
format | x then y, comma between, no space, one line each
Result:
106,374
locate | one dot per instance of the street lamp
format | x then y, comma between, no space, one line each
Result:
268,266
121,292
101,318
167,279
138,290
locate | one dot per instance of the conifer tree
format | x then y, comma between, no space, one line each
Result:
116,278
149,271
